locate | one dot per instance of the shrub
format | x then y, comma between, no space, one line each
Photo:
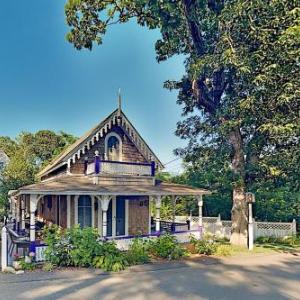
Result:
166,246
110,258
84,246
59,247
138,252
27,266
207,247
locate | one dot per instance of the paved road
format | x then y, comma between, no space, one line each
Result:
260,277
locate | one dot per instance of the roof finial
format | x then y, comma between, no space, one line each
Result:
119,101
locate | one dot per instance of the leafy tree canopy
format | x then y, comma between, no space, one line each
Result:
28,153
240,93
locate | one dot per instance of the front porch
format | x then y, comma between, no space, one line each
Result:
115,217
119,212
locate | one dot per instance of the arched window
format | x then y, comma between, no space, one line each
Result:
113,147
85,211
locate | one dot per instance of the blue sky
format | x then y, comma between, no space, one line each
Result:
46,84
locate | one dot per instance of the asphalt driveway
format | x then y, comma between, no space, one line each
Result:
256,277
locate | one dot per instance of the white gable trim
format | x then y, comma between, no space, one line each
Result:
90,139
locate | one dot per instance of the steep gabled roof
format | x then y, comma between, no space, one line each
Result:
76,150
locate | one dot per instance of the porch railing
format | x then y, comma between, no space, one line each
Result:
171,227
120,168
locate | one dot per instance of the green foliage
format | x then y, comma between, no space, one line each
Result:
81,248
207,247
166,246
288,241
59,247
224,250
138,252
28,153
110,258
27,266
84,245
240,92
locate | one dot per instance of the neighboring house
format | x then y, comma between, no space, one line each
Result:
105,180
3,160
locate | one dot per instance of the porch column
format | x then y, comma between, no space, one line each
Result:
33,206
104,206
157,220
174,198
22,213
68,211
18,212
200,205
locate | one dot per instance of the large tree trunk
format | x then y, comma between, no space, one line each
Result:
239,212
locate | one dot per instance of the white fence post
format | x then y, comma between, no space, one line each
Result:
294,227
4,248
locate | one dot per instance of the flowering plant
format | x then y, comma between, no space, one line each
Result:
31,254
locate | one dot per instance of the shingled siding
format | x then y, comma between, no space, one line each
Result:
138,219
129,152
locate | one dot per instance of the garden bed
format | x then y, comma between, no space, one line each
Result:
80,248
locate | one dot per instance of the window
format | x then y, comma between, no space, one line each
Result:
85,211
113,147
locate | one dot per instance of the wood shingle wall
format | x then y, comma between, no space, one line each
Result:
129,152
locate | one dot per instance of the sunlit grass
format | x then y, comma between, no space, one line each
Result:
226,249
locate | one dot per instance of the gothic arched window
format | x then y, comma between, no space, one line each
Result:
113,147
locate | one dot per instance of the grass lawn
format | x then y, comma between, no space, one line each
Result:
225,249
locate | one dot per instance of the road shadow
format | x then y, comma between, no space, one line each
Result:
202,278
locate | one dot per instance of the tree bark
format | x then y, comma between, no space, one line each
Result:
239,212
210,101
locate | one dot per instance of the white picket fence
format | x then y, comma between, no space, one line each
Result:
216,226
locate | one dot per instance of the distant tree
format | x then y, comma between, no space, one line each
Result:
28,153
241,84
7,145
43,145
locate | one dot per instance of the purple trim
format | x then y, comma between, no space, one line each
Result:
32,247
40,245
152,168
97,164
187,231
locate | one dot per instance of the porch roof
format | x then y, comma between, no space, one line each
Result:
79,185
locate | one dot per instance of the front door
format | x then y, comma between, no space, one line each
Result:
120,216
